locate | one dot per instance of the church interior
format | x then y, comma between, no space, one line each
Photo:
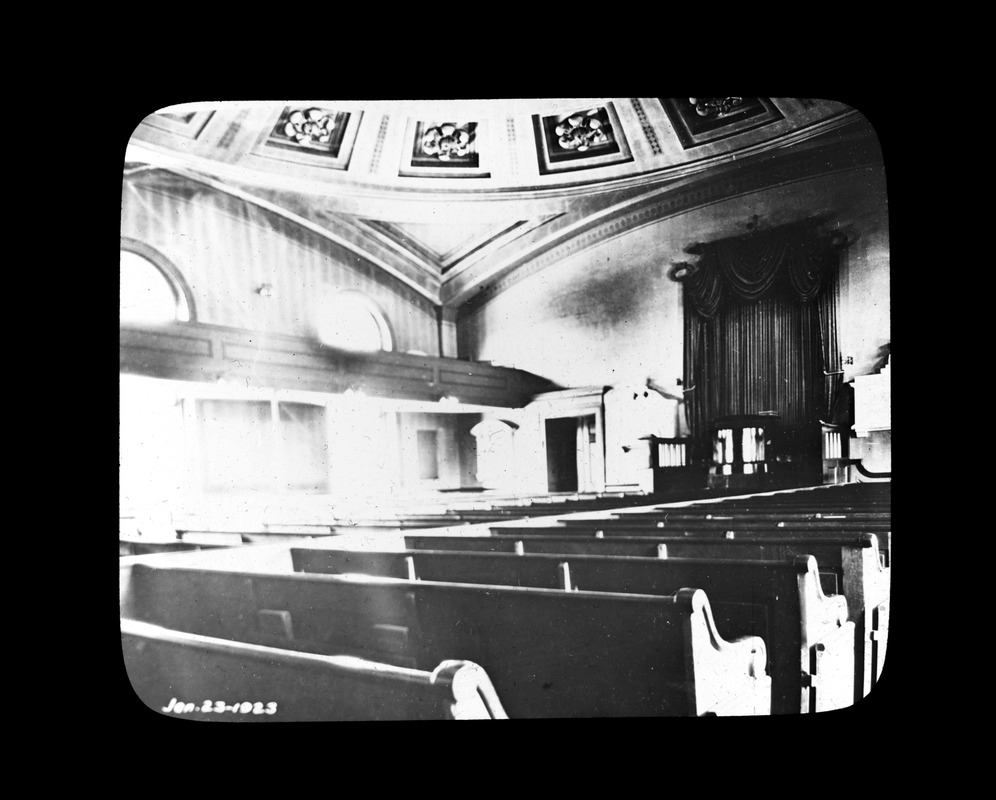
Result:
504,408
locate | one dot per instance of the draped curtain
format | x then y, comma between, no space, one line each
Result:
761,329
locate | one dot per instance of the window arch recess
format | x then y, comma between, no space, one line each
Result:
353,321
172,277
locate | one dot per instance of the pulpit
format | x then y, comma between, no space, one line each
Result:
741,451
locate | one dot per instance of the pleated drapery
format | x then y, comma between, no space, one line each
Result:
761,328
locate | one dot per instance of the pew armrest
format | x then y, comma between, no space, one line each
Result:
725,674
474,696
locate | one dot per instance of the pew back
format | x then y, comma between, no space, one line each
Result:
640,525
779,601
548,653
848,565
202,677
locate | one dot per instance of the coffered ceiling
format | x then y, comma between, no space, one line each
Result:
450,195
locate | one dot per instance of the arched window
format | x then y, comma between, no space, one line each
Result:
151,290
351,321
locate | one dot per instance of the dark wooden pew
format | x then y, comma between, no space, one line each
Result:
809,641
807,500
662,519
762,502
206,678
548,653
808,514
134,547
848,565
250,536
720,529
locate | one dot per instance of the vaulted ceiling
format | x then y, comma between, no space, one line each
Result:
449,196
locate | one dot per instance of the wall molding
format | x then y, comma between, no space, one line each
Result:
696,193
216,354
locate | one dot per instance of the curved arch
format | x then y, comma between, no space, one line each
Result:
185,306
353,321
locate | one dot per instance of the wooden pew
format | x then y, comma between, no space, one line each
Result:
772,503
848,565
655,521
135,547
226,538
812,500
250,536
809,641
548,653
206,678
808,514
720,529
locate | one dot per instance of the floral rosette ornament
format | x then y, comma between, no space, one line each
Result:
581,131
715,106
446,142
310,126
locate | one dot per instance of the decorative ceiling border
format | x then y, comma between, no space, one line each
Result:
378,149
648,129
366,200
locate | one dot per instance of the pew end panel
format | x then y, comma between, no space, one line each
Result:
868,582
828,644
880,638
721,687
831,679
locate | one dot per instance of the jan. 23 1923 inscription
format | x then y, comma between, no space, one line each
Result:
219,707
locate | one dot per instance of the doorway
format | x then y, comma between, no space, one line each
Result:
562,454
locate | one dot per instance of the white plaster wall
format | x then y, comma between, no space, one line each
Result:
610,316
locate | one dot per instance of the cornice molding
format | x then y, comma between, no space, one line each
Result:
256,359
357,195
582,232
